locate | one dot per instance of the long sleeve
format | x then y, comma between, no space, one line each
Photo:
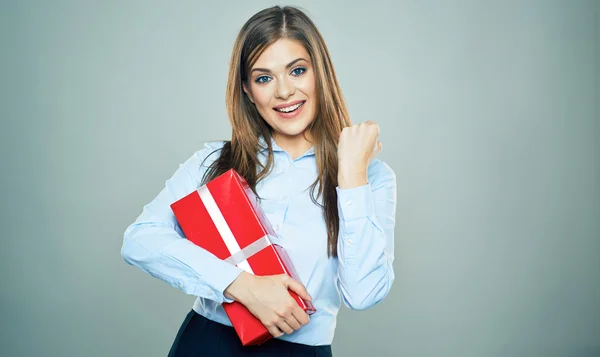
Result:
366,239
155,243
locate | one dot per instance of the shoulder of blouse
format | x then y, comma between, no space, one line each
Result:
197,164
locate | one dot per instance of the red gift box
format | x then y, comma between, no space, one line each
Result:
225,218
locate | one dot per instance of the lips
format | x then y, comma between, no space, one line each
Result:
292,109
289,107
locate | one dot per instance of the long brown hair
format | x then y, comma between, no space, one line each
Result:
241,153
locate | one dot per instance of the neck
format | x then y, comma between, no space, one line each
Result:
294,145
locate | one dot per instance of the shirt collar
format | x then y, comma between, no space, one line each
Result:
263,144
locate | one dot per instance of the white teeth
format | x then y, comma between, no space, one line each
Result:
290,109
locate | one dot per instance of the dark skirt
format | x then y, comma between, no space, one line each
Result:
199,336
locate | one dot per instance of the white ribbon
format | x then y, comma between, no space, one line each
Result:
250,250
238,256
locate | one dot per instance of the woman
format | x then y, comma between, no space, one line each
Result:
330,201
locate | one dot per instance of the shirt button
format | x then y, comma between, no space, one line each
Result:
349,241
349,203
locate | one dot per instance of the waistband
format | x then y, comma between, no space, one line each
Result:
274,343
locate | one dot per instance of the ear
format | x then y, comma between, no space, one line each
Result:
248,93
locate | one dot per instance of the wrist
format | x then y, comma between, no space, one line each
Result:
349,177
238,289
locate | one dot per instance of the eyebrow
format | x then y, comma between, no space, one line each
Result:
286,67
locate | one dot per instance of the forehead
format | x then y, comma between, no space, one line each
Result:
280,53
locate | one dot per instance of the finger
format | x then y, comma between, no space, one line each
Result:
297,288
274,330
293,321
372,126
286,313
301,316
285,327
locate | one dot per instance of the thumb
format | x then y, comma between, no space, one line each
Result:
376,150
296,287
378,147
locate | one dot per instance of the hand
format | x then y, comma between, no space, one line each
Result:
267,298
358,145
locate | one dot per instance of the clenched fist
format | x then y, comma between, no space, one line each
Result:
358,145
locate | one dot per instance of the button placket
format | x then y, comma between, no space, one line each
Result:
276,202
274,210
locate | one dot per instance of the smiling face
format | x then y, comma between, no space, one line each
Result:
281,84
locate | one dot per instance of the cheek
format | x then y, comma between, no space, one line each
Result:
262,98
307,86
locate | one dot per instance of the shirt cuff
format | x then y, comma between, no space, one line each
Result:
226,277
218,274
355,202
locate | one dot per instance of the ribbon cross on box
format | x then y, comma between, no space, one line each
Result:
225,218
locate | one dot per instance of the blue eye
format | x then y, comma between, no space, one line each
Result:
262,79
298,71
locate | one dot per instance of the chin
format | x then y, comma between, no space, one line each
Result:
292,131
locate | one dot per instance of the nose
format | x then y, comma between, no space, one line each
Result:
285,88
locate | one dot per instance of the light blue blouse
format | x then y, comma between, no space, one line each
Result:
361,275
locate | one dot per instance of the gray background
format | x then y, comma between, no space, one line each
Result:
489,117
